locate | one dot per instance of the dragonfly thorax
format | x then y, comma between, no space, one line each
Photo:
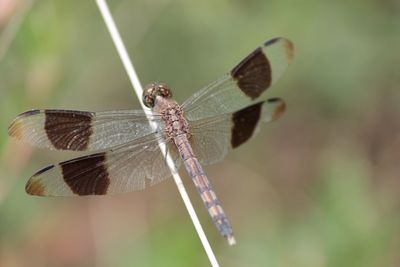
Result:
175,122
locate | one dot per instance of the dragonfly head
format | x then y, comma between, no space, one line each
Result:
155,89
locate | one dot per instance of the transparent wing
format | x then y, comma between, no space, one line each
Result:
212,138
127,168
80,130
245,84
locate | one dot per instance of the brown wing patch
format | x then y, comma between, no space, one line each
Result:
289,48
68,129
244,123
279,110
87,175
35,187
253,74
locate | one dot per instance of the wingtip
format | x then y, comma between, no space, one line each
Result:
289,48
34,187
286,44
15,129
279,110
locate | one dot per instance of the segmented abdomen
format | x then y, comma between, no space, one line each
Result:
204,187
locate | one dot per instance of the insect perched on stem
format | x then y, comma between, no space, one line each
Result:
214,120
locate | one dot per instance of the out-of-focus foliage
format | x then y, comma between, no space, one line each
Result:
320,187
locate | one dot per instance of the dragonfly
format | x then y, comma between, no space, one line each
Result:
126,154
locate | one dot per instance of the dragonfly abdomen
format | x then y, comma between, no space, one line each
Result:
213,205
204,188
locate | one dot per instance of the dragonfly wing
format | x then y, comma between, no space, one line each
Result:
245,84
127,168
212,138
80,130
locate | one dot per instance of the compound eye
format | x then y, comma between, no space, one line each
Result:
148,97
164,91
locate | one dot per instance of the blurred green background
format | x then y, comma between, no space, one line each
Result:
319,187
